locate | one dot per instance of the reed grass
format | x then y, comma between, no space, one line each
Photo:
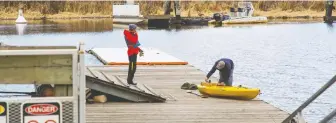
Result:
69,9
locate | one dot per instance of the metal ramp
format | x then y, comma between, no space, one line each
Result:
116,86
296,116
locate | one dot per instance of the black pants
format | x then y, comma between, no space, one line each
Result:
131,67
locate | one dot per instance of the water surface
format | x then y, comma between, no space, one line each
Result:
288,61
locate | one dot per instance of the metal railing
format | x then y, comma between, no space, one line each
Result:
329,117
311,99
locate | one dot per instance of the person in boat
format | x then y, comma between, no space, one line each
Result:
225,67
131,38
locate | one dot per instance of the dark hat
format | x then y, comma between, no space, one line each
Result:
132,26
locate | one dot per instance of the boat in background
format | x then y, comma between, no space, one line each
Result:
243,15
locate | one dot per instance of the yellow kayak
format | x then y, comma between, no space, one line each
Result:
212,89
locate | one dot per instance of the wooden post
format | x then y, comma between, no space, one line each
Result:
329,8
166,7
177,10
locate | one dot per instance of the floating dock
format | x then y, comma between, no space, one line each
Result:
243,15
247,20
243,20
118,56
181,106
127,21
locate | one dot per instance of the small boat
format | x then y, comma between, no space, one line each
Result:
243,15
243,20
235,92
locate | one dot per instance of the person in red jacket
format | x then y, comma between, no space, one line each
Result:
131,38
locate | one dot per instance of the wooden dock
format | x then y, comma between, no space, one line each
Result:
184,107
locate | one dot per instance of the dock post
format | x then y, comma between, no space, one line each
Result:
329,8
82,84
167,7
177,10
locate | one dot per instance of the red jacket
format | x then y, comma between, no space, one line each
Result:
131,39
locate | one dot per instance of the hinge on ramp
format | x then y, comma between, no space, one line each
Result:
121,91
298,118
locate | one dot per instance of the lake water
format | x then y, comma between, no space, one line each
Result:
288,61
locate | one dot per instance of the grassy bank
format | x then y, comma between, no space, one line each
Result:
103,9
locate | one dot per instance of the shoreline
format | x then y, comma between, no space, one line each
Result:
274,14
196,17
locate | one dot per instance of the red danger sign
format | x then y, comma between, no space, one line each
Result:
41,109
41,112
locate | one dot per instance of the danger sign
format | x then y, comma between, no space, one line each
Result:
41,109
41,112
3,112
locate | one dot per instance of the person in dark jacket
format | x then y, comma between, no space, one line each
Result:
225,67
131,38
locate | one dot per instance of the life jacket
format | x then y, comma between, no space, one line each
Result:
131,39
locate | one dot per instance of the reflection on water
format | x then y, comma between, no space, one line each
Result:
20,28
330,26
7,27
51,26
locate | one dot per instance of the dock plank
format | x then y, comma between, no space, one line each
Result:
187,109
99,75
114,79
130,86
142,87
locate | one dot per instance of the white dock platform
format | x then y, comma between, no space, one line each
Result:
128,20
152,56
127,14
